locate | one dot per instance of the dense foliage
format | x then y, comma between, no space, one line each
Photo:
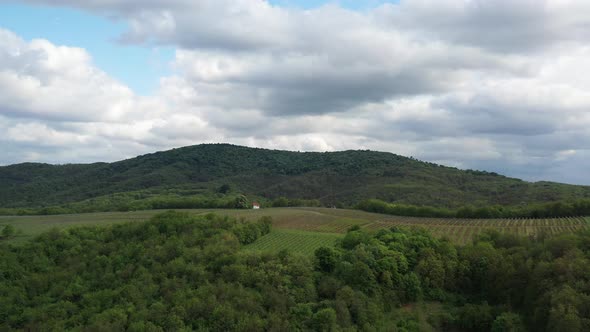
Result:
178,272
149,200
140,200
334,178
546,210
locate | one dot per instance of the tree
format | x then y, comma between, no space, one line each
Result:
432,272
326,258
280,202
8,231
411,287
508,322
564,318
241,202
476,317
224,189
324,320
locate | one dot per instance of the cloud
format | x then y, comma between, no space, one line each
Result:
56,106
488,85
502,26
40,80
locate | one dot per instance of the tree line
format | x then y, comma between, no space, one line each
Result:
546,210
129,202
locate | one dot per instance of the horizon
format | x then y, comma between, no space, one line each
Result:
466,84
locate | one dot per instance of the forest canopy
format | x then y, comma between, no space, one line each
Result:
183,272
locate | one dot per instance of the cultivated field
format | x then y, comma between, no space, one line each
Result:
316,220
301,242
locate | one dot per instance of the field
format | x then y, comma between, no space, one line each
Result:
301,242
307,224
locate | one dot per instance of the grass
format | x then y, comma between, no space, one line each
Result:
309,221
295,241
321,220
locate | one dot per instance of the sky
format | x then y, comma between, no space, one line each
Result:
498,85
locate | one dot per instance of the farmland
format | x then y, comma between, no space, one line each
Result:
295,241
315,220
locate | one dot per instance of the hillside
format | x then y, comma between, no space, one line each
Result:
332,177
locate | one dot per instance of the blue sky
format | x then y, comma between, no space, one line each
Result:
138,67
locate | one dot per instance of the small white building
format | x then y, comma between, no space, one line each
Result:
255,205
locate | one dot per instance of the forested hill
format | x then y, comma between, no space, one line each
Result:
332,177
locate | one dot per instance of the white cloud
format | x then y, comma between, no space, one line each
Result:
494,85
43,81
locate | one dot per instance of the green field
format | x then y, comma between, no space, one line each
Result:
313,221
295,241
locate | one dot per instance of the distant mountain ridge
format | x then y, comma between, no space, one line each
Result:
345,177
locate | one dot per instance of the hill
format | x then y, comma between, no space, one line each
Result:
345,177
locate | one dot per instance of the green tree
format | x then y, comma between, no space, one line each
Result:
508,322
326,259
324,320
280,202
564,318
241,202
224,188
411,287
8,231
